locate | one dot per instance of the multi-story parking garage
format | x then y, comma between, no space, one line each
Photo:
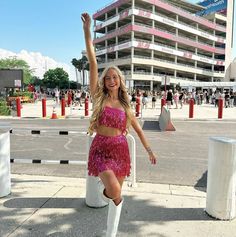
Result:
154,39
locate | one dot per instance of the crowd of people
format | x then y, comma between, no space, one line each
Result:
75,97
177,98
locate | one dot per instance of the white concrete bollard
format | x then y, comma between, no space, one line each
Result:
5,180
93,194
221,178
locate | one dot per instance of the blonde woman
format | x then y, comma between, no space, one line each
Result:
112,116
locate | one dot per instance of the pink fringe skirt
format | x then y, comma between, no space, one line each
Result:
109,153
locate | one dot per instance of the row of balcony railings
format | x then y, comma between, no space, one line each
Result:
127,73
159,44
201,18
145,26
164,16
181,9
161,60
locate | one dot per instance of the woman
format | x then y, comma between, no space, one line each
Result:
109,155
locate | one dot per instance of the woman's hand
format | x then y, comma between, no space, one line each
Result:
152,158
86,20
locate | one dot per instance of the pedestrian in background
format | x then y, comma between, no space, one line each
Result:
145,100
154,99
176,99
112,116
169,99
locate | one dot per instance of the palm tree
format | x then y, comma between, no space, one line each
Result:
80,65
75,64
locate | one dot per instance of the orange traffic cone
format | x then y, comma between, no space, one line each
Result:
54,114
170,127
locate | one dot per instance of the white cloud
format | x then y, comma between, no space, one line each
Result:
39,63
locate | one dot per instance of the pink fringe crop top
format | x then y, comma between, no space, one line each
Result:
114,118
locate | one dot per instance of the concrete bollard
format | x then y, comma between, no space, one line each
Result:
5,180
93,194
221,178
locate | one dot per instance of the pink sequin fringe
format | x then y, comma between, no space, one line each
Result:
109,153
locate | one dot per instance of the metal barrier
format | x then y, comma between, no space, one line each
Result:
131,180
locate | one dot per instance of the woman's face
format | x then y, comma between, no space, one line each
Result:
112,80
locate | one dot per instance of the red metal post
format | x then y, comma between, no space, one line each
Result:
44,112
220,108
163,102
138,106
18,107
191,108
86,107
63,105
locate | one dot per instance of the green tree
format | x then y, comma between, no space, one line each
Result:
56,78
74,85
14,63
37,81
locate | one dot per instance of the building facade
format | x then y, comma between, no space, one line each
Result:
154,39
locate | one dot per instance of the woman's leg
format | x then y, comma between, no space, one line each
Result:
112,185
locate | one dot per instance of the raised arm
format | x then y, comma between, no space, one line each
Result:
93,68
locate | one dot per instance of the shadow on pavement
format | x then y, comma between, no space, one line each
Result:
151,125
202,182
77,219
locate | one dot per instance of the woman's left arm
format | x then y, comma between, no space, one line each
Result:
135,124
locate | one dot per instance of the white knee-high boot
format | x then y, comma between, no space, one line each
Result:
101,189
113,218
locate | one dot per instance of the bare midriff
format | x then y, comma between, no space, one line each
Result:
108,131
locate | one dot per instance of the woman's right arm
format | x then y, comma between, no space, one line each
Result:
93,68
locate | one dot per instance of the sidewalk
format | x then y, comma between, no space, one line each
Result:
55,206
201,112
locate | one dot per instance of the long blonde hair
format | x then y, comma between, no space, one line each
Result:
101,95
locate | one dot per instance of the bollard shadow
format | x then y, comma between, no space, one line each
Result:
202,182
151,125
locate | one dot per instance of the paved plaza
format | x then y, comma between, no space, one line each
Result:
55,206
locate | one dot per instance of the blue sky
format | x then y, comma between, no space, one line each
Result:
51,27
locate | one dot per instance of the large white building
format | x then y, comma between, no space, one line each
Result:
154,39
